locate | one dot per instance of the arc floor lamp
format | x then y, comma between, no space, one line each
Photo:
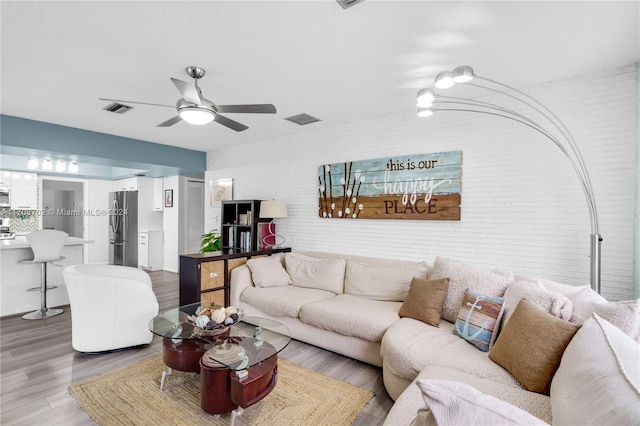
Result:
535,115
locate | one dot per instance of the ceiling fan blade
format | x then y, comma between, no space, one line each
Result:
170,122
188,91
134,102
234,125
249,109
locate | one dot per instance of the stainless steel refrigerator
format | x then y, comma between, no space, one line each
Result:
123,228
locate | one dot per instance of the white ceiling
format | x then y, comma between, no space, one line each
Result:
339,65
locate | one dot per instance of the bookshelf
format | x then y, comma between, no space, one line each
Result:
241,225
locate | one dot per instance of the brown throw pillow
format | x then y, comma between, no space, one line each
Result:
424,300
531,345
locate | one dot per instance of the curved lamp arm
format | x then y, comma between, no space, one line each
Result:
562,139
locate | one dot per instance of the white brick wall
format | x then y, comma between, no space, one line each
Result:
522,206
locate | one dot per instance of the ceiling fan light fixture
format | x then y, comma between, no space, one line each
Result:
196,115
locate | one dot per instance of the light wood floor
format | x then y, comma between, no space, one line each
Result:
37,364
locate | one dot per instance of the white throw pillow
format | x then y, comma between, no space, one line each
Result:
310,272
556,304
624,314
463,276
268,272
457,403
382,282
598,380
560,288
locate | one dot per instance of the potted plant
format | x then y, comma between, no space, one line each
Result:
211,241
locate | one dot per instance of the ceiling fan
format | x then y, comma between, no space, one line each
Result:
195,109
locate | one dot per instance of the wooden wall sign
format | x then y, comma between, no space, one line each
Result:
416,187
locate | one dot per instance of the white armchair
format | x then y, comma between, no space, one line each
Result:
111,306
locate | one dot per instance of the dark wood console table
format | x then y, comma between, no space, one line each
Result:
205,277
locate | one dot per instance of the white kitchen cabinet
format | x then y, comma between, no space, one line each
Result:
5,179
24,191
150,250
158,194
130,184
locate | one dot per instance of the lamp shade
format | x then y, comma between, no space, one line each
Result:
273,209
462,74
444,80
425,98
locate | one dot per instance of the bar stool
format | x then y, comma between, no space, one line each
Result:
47,246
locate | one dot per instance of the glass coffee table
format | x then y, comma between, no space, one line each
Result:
238,367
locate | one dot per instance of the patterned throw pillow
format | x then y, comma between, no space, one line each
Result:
478,319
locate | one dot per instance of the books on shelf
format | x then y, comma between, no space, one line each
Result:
244,219
245,240
239,239
231,236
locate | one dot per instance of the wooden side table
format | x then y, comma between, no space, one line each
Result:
205,277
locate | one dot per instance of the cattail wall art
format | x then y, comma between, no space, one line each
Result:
418,187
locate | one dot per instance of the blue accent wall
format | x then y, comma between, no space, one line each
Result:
23,137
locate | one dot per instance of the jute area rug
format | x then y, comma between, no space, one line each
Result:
132,396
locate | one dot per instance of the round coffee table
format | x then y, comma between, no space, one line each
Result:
240,364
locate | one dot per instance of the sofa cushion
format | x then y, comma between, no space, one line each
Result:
457,403
624,314
556,304
381,282
283,301
424,300
352,316
598,381
410,401
268,272
409,346
478,319
463,276
310,272
530,346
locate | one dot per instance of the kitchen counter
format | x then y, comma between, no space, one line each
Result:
17,277
21,242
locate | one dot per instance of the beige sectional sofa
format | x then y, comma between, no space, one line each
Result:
351,305
329,305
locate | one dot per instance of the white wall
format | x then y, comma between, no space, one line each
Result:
522,205
172,226
97,225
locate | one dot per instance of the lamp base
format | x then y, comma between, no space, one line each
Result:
278,240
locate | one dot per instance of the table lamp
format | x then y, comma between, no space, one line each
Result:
273,209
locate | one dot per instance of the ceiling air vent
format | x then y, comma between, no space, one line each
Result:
302,119
348,3
117,108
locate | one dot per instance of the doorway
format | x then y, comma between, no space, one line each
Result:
63,202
